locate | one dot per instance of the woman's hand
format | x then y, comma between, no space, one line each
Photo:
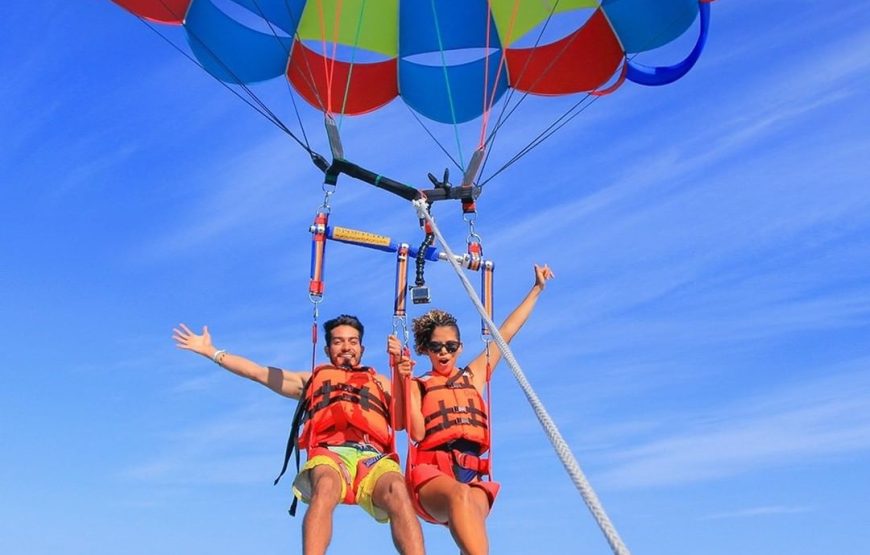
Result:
542,275
405,367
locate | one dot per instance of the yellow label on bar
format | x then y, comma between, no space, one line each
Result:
362,237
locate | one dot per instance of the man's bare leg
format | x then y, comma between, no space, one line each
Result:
325,496
391,495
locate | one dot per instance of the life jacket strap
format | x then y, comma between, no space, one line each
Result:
358,395
471,410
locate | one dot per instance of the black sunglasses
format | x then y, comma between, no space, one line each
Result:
436,346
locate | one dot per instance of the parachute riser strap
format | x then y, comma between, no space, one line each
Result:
487,341
468,177
553,434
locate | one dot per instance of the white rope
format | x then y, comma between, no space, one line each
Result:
559,444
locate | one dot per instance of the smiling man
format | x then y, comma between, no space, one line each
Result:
347,434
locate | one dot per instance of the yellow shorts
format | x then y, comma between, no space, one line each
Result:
360,468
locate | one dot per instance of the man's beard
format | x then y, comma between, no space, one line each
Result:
346,361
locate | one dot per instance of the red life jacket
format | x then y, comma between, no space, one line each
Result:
346,405
452,409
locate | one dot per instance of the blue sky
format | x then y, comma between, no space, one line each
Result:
704,349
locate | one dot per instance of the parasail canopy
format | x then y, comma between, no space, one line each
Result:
449,60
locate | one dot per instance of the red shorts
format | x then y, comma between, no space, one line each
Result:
431,464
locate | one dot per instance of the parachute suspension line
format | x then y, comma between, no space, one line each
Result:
171,10
570,113
326,73
287,81
560,122
434,138
296,111
362,9
329,61
502,118
309,77
447,85
251,94
311,81
336,23
485,110
253,101
489,102
562,449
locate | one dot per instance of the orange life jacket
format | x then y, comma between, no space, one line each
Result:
452,409
345,405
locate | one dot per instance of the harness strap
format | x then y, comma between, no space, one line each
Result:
299,416
458,421
440,456
461,374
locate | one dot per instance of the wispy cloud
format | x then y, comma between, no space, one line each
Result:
751,512
809,422
248,196
237,447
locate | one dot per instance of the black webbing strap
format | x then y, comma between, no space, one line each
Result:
457,422
444,411
293,441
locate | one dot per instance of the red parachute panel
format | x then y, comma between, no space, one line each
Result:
161,11
323,82
582,61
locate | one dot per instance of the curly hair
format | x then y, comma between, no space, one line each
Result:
426,324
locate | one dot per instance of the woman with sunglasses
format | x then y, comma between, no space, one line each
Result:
448,422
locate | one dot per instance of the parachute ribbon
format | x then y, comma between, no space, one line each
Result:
663,75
